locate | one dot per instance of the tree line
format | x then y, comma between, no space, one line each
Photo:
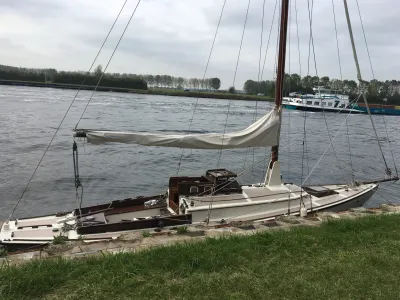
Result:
375,90
168,81
121,80
74,77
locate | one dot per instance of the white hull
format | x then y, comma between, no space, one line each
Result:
265,207
319,108
254,203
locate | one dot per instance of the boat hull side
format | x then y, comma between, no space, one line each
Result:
259,211
320,109
356,202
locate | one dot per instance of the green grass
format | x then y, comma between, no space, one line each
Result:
182,229
60,239
343,259
146,233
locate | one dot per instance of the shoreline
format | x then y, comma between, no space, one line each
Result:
157,91
316,252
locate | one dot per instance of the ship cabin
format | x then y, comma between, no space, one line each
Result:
214,182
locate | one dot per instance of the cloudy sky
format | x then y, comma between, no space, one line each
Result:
174,37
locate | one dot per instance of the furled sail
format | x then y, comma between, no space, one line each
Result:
262,133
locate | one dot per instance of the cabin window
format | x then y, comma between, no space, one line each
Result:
329,103
323,103
194,190
316,103
309,102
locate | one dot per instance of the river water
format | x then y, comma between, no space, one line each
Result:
29,117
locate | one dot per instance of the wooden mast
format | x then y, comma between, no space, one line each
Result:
280,69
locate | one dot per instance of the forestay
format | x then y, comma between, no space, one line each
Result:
263,133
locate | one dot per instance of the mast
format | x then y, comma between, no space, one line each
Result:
280,70
360,83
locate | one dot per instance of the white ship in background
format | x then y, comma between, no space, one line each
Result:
324,99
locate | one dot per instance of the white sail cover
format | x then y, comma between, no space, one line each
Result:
263,133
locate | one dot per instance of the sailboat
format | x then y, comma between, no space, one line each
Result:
216,197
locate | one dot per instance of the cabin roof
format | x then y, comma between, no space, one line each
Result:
220,173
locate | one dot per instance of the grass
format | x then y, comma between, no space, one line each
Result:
146,233
343,259
182,229
60,239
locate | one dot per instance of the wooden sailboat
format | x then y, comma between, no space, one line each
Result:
216,197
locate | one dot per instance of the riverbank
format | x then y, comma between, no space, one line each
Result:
152,91
348,258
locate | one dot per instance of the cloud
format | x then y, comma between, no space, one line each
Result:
174,37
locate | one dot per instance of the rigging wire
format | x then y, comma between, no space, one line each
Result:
290,113
373,76
365,40
269,38
261,43
319,160
240,174
234,80
229,104
274,71
204,75
66,113
323,110
305,112
388,171
105,68
298,40
262,71
101,48
378,193
258,75
341,80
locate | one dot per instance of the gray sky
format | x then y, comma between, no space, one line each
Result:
174,37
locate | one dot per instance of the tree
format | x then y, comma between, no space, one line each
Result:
215,83
157,80
180,81
168,80
150,79
295,80
164,80
203,83
306,82
315,81
336,84
231,89
208,83
196,83
98,71
350,86
325,81
251,87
